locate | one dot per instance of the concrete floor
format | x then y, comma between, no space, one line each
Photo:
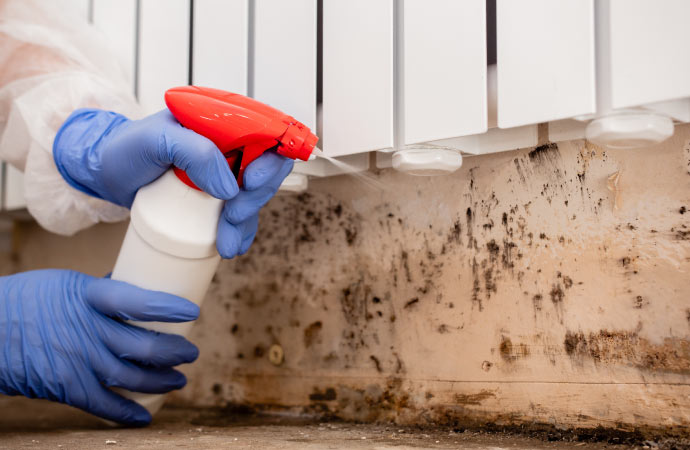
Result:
38,424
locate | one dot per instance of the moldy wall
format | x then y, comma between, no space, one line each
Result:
547,285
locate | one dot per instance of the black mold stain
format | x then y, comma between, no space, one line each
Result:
377,363
536,301
475,285
682,210
234,329
489,282
353,302
217,389
574,343
682,235
350,236
521,174
311,333
628,348
493,249
406,265
510,352
470,225
507,256
546,152
326,396
639,302
474,399
259,351
411,303
557,294
455,232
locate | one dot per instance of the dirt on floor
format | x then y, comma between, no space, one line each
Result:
38,424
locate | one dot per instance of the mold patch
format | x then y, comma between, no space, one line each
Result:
628,348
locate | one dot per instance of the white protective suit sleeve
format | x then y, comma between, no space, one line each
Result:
50,65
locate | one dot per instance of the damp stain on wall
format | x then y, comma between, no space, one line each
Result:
475,276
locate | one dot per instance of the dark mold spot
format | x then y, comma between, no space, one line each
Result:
350,235
507,256
510,352
557,294
543,153
406,265
311,333
536,301
376,300
326,396
625,261
259,351
567,282
455,232
628,348
489,282
493,249
411,302
377,363
474,399
682,210
682,235
217,389
234,329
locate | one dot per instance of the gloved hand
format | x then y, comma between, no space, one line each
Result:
61,340
106,155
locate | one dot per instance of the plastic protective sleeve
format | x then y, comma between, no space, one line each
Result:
51,65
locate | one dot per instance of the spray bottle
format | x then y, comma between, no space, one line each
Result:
170,244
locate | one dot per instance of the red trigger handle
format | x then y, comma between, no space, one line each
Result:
241,127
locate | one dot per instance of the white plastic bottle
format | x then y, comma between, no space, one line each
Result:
170,246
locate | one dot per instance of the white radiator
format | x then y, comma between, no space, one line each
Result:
384,74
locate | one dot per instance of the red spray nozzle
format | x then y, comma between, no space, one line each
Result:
241,127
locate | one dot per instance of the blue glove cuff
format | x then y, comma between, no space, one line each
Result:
75,148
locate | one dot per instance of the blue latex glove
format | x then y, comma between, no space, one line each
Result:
106,155
61,339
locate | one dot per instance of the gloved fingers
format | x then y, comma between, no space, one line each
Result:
122,300
106,404
250,234
247,204
231,238
264,168
199,157
119,373
149,348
